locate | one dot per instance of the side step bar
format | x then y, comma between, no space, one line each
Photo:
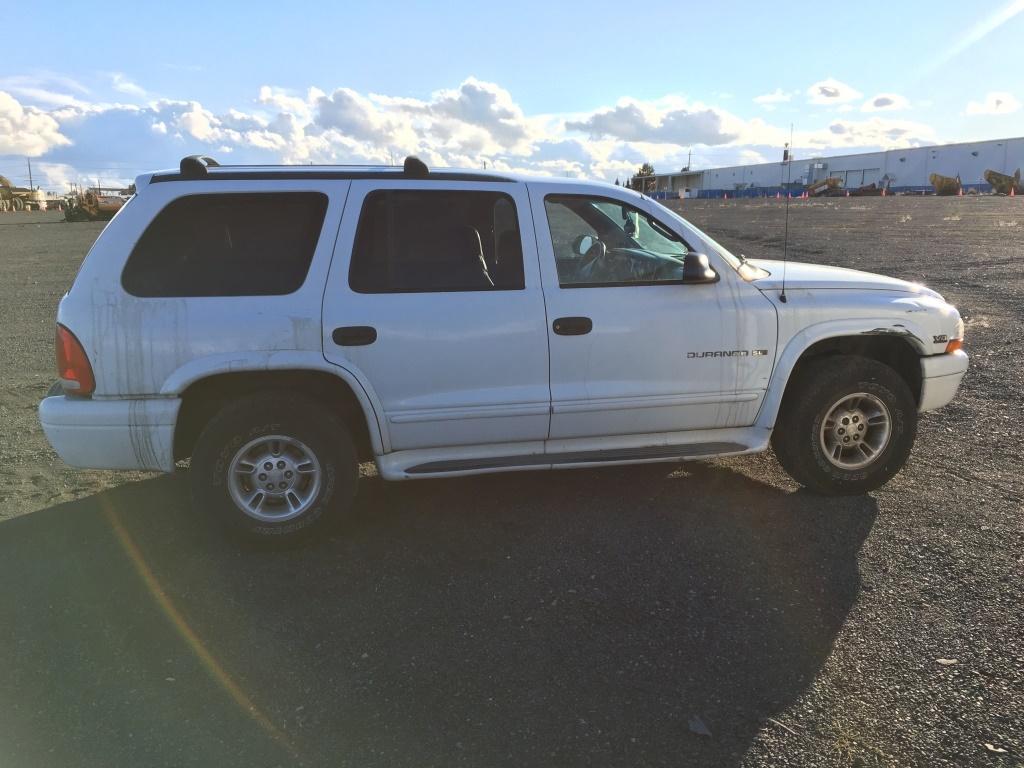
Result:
577,457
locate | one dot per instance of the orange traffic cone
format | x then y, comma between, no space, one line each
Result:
960,192
1013,190
778,195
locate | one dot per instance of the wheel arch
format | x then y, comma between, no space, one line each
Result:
896,346
203,391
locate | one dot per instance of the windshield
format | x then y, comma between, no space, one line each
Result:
642,230
712,244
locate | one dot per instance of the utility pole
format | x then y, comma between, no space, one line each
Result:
29,161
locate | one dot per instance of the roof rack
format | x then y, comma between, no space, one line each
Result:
194,166
197,167
415,168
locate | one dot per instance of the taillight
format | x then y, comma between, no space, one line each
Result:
73,367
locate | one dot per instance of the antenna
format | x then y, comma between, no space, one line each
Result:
788,160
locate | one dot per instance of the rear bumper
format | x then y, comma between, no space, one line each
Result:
111,434
940,378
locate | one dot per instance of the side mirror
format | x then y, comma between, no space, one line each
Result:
696,269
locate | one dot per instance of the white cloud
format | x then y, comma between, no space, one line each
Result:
283,101
27,130
873,132
885,102
198,123
751,156
356,116
469,125
485,105
47,83
994,103
54,176
123,85
769,100
678,123
830,92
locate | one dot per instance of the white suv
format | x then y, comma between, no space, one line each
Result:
280,324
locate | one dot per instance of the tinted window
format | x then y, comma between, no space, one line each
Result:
416,241
227,245
601,242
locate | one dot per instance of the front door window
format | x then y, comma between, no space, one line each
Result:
600,242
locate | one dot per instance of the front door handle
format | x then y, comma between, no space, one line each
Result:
572,326
354,335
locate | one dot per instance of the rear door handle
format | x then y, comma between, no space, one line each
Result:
354,335
572,326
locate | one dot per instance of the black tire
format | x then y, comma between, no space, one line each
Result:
298,418
820,384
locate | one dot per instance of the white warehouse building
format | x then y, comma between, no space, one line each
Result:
903,170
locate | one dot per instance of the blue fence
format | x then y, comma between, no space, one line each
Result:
770,192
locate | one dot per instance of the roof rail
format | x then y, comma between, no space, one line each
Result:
194,166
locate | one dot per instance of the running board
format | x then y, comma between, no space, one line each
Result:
577,457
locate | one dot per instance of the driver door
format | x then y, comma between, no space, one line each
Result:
632,348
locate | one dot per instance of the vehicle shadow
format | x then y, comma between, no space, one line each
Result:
571,618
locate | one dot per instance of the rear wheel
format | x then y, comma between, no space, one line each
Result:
274,466
846,426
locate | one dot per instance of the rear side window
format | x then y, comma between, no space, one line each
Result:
227,245
422,241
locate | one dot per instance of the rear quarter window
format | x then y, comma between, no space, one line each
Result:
253,244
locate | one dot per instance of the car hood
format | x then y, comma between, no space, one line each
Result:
800,276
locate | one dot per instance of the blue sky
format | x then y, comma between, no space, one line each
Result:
589,89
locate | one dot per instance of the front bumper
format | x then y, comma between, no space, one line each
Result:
111,434
940,379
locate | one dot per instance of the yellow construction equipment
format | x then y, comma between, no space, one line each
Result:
829,186
945,185
1003,184
14,198
93,206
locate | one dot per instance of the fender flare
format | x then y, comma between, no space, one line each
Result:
290,360
800,342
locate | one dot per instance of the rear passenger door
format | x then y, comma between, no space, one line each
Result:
434,299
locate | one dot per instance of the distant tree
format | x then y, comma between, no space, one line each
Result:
640,182
616,181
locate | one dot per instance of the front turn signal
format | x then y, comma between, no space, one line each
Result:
954,345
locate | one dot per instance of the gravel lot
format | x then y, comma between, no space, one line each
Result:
703,614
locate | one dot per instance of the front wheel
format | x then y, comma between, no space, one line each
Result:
273,466
846,425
